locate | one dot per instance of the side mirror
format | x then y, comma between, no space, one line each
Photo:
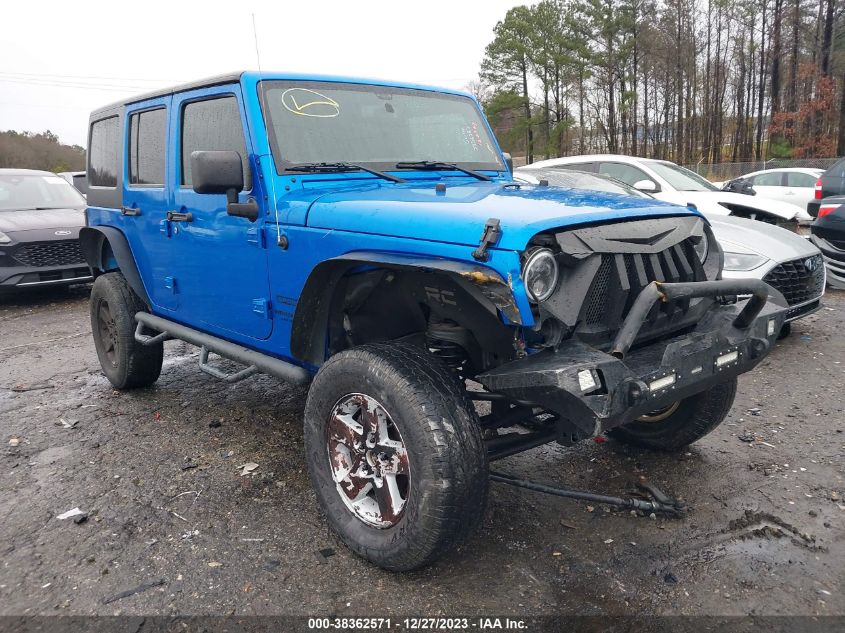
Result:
508,160
646,186
222,172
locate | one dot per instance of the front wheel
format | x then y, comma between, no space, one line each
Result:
395,454
682,423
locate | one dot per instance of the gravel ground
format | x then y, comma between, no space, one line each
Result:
157,473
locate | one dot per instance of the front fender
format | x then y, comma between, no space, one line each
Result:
308,334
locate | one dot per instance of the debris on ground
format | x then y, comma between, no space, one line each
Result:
214,563
248,468
326,553
747,437
80,518
14,441
754,411
188,464
133,591
608,541
834,496
567,525
215,424
271,565
670,579
70,514
68,424
590,508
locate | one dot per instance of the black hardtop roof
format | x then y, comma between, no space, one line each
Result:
216,80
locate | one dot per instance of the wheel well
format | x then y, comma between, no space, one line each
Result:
433,308
106,249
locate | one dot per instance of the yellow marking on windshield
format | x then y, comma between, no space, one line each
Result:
320,107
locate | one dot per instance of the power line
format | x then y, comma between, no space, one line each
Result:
51,75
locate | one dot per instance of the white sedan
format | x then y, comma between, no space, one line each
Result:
796,185
672,183
786,261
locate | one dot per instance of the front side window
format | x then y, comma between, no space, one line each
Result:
103,153
376,126
213,124
30,192
147,140
769,179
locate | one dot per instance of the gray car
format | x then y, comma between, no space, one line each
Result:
781,258
40,218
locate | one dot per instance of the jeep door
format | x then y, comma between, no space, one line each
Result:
219,261
146,197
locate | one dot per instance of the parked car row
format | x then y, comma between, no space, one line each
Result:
823,192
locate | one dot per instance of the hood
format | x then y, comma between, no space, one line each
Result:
715,202
738,235
15,221
458,215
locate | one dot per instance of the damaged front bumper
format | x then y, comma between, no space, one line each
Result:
594,391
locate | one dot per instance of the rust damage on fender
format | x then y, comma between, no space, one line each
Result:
494,288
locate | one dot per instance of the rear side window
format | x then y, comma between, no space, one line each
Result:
626,173
103,153
214,124
147,139
797,179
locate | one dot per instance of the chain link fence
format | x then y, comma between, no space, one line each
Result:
721,172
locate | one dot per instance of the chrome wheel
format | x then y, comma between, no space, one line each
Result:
107,330
660,414
368,459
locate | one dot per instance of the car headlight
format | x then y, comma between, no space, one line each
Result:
702,248
540,275
742,261
4,239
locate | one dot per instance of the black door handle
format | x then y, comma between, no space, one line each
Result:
132,211
177,216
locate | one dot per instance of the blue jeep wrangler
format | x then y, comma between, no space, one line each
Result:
367,238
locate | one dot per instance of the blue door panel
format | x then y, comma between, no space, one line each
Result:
218,262
150,204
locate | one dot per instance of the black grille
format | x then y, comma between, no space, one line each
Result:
60,253
620,278
799,280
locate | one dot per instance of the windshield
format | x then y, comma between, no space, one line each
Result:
572,179
376,126
681,178
36,191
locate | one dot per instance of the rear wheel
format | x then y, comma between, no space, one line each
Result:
395,454
125,362
681,423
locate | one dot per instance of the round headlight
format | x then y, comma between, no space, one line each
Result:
703,247
540,275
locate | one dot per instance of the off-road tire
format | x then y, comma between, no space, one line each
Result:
785,330
694,418
125,362
440,430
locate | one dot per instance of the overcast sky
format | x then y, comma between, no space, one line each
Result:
60,60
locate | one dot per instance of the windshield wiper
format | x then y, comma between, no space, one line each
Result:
436,165
315,168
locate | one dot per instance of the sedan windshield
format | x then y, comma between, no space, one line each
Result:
681,178
375,126
37,191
